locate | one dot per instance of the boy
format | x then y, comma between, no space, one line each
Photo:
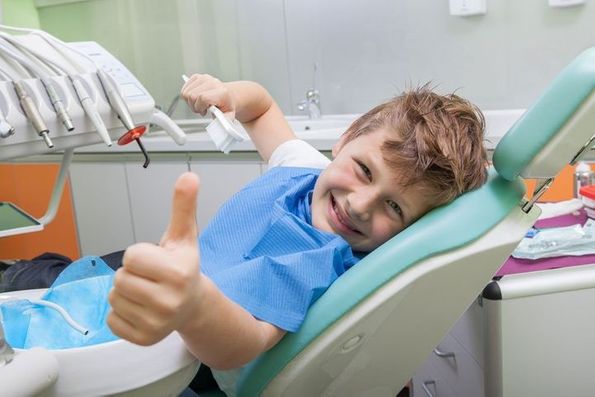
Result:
311,218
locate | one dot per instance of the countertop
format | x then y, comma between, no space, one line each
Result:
321,133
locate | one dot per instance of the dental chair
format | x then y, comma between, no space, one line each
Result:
372,329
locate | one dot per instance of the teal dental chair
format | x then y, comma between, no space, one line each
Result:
372,329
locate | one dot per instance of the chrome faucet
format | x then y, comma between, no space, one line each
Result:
6,352
311,105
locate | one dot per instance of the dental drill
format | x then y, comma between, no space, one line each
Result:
32,113
42,61
6,129
30,110
82,94
55,100
112,94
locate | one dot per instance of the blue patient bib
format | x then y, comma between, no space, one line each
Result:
263,252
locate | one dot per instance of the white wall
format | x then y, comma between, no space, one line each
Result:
366,51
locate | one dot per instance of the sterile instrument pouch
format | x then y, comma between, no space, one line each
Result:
81,290
573,240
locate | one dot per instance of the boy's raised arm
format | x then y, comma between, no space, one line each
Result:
160,289
249,102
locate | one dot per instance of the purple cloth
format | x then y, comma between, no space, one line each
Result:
515,265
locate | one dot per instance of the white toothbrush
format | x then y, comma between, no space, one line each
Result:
223,132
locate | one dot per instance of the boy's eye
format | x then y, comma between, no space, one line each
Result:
395,207
365,170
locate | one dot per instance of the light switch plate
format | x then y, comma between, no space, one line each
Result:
466,8
565,3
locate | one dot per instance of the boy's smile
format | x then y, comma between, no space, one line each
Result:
359,198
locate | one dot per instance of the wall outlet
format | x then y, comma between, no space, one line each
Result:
466,8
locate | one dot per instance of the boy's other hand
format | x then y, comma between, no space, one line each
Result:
157,288
203,90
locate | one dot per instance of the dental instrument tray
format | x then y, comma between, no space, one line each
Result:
25,140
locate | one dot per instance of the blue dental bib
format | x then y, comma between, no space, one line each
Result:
263,252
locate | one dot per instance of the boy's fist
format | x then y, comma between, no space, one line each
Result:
157,287
203,90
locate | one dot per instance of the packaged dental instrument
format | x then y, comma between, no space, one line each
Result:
224,132
573,240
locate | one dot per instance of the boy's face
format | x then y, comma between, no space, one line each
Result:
358,197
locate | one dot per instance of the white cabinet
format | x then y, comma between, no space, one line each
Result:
118,203
541,335
455,367
101,206
532,335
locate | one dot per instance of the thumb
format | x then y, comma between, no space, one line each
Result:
182,222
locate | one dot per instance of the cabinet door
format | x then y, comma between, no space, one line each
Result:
101,205
219,181
151,192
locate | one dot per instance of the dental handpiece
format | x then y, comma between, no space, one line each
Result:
32,113
6,129
116,101
58,105
91,111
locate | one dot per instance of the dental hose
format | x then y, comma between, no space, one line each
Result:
69,320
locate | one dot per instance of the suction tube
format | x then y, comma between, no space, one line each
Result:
63,313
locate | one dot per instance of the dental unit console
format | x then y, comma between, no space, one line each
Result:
55,97
25,140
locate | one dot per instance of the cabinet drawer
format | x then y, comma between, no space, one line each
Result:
429,382
458,368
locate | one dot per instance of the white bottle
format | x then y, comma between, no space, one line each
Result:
582,177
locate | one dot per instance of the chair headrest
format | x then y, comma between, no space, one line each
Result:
555,128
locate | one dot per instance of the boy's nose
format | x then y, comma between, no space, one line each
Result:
360,205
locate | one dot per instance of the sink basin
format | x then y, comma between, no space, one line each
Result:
301,124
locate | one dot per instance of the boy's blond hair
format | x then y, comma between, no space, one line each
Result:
436,141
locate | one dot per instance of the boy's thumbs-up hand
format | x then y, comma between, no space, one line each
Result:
182,228
158,287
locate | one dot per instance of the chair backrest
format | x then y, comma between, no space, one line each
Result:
376,324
